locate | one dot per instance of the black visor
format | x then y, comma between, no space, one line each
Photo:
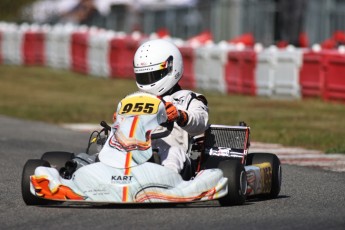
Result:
154,76
151,77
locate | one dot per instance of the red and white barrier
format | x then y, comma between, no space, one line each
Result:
240,71
223,67
98,52
12,40
33,46
122,49
313,74
58,46
209,67
79,50
264,72
188,80
335,77
286,74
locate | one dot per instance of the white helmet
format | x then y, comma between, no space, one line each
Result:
157,66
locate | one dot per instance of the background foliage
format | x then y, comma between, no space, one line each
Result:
10,10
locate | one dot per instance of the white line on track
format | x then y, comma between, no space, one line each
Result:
303,157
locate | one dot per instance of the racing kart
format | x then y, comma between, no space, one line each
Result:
120,166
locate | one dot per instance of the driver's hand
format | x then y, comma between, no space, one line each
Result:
172,111
180,116
114,117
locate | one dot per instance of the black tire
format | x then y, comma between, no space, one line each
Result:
234,170
29,170
257,158
57,159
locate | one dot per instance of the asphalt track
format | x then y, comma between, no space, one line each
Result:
310,198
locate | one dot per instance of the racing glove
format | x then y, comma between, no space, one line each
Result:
174,114
114,117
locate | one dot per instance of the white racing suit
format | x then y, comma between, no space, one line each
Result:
173,148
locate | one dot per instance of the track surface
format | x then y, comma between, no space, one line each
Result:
310,198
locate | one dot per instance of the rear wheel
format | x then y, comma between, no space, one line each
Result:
57,159
234,170
29,170
258,158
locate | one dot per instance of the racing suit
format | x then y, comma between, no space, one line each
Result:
173,148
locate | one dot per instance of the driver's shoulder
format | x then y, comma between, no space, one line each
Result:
186,97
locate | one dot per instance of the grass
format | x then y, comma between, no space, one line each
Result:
58,96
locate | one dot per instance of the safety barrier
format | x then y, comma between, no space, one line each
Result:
335,77
239,73
79,51
200,68
223,67
265,71
122,50
277,73
286,74
233,72
132,43
209,68
117,46
58,47
34,49
188,80
98,53
249,61
12,44
312,74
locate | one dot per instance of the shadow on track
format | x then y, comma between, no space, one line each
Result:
206,204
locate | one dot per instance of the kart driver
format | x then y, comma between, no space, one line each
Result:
158,67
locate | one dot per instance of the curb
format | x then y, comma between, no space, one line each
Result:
303,157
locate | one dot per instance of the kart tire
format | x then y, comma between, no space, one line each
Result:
258,158
29,170
234,170
57,159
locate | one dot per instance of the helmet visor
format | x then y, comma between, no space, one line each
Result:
151,77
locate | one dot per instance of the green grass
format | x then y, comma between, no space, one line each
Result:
57,96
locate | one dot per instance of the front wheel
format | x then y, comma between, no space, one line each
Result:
258,158
29,170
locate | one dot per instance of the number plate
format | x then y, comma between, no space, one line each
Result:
139,105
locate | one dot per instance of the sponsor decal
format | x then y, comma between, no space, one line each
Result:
224,152
179,101
259,178
266,177
121,179
101,190
139,70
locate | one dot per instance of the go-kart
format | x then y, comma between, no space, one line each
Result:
124,168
